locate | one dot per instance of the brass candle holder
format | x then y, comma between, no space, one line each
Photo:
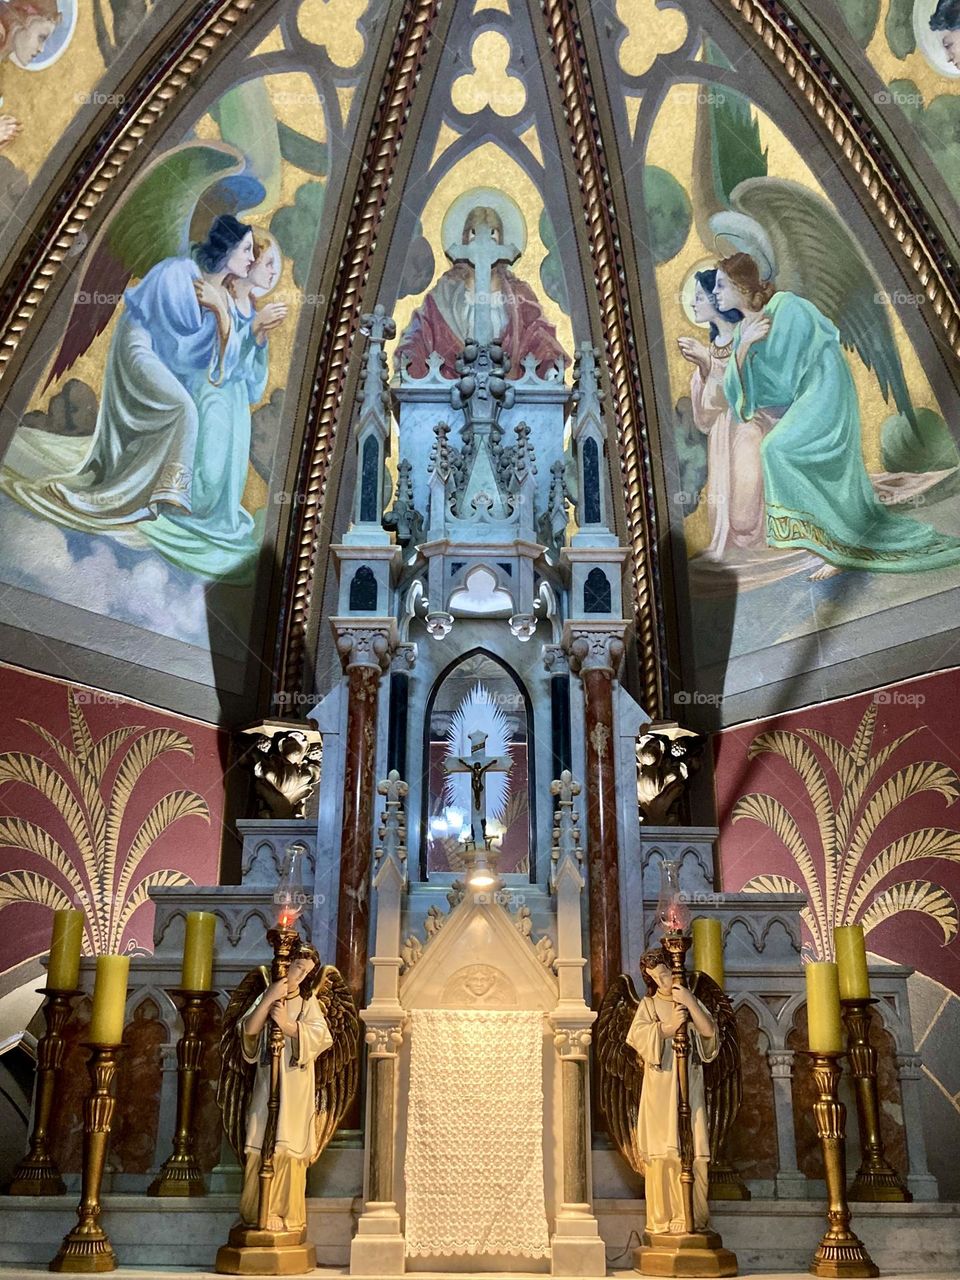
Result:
180,1174
87,1248
876,1179
840,1252
37,1174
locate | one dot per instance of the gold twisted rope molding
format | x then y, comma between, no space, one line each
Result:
809,70
584,133
343,319
69,211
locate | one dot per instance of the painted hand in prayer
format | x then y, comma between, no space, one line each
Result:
268,317
693,349
9,128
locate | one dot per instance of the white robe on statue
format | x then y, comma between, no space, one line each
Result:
296,1125
658,1130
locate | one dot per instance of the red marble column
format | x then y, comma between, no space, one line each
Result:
365,652
595,655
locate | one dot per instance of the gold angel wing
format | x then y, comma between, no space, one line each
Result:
336,1071
619,1069
722,1079
236,1074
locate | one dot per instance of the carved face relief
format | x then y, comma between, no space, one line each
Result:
479,986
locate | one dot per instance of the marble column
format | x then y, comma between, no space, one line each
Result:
365,650
596,650
920,1181
577,1248
790,1182
378,1247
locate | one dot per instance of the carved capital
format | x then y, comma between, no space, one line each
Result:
781,1063
555,659
594,647
404,656
909,1066
572,1042
384,1042
367,644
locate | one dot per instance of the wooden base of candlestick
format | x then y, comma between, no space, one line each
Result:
249,1251
87,1248
840,1252
877,1181
37,1174
695,1253
180,1175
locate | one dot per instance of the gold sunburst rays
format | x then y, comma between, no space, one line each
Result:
91,786
851,881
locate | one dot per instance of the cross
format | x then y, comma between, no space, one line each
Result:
477,764
483,253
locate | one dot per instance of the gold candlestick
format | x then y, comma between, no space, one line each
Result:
876,1178
840,1253
180,1174
37,1174
87,1247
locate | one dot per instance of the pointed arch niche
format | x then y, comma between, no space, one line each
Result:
502,707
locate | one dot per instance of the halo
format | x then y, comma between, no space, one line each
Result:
928,42
747,236
514,226
687,291
59,40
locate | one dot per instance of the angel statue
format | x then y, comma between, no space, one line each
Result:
318,1079
639,1082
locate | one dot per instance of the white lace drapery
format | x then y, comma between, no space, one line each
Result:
474,1165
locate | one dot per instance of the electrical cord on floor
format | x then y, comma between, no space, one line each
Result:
626,1248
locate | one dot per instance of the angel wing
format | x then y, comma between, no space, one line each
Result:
619,1069
336,1071
151,223
236,1074
722,1079
819,259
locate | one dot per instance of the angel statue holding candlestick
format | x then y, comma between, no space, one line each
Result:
641,1047
315,1012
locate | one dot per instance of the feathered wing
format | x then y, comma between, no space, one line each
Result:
619,1068
722,1079
151,223
236,1074
819,259
336,1071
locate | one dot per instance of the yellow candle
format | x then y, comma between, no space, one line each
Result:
63,973
852,962
708,947
109,1000
197,971
824,1032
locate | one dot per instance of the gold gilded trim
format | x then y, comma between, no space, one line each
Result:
809,71
384,139
583,127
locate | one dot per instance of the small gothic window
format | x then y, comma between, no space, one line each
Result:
369,511
591,482
596,592
363,590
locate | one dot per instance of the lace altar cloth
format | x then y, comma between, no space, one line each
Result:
474,1164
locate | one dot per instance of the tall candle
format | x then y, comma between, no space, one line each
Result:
197,971
852,962
708,947
63,973
824,1032
109,1000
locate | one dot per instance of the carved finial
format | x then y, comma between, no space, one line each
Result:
566,832
403,518
393,826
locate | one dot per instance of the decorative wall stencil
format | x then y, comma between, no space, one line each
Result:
854,804
103,800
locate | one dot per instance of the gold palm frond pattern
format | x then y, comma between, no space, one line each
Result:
848,879
91,787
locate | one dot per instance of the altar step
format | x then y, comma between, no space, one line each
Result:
768,1236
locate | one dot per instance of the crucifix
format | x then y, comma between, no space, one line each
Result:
483,252
478,764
